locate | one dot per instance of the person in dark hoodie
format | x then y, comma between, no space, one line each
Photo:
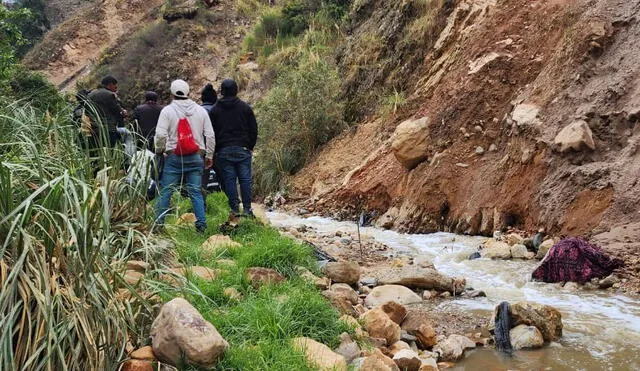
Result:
146,117
212,176
236,133
209,97
106,111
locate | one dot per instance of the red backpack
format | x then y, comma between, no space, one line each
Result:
186,143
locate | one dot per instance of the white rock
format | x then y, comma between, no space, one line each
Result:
386,293
519,251
525,114
524,336
407,360
453,347
496,250
575,136
410,142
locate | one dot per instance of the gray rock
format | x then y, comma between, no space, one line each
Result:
369,281
406,337
607,282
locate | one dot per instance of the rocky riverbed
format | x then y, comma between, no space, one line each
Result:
464,310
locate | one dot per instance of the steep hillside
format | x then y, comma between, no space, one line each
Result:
497,82
70,50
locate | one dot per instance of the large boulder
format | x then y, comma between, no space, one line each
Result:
180,331
452,348
320,355
411,142
375,360
493,249
379,325
416,277
523,337
575,136
342,272
383,294
546,318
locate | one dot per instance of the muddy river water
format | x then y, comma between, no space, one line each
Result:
601,330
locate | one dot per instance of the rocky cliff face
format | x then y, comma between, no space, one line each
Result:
497,83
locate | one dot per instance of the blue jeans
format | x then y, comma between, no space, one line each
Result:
175,169
235,163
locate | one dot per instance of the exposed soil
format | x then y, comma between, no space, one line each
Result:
570,60
70,50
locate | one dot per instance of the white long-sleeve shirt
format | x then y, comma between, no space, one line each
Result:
166,138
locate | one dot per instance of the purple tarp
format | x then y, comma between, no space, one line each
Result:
575,260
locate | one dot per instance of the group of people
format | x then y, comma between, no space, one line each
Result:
188,138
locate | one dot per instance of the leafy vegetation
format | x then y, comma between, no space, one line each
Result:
302,110
259,326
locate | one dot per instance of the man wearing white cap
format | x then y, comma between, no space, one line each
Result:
184,133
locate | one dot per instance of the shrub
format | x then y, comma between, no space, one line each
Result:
301,112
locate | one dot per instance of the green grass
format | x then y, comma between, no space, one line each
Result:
260,326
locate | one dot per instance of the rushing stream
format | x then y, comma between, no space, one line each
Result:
601,330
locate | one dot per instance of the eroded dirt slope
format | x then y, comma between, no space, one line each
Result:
73,47
505,76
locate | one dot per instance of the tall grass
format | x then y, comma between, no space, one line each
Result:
61,233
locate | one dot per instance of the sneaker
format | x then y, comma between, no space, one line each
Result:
201,229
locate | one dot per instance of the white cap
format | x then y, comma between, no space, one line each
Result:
180,88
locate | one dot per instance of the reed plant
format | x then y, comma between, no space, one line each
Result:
68,221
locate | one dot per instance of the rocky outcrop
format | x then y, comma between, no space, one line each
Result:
383,294
493,249
320,355
411,142
180,332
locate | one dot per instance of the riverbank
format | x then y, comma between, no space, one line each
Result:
258,318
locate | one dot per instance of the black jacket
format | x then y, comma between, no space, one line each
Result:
147,116
234,124
108,107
